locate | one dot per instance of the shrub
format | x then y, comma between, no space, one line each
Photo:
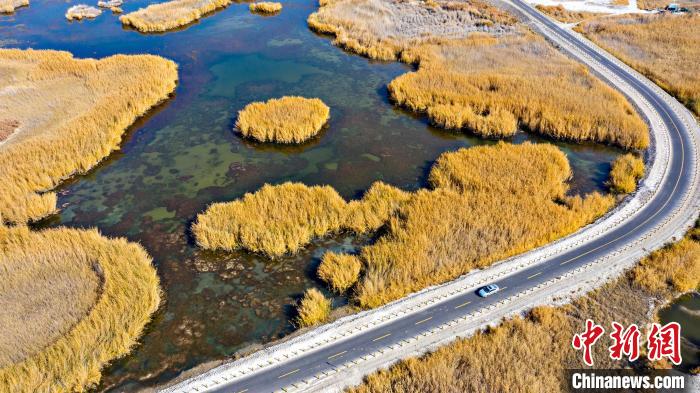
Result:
266,7
625,173
314,308
77,301
340,271
71,114
170,15
283,120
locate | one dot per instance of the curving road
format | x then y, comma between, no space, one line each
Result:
335,356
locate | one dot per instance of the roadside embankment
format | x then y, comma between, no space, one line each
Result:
501,358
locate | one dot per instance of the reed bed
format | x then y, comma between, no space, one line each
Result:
265,7
70,114
340,271
491,87
9,6
488,203
282,219
561,14
481,71
170,15
313,309
501,359
283,120
665,48
71,301
626,171
382,29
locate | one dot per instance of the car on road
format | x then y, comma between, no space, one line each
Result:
488,290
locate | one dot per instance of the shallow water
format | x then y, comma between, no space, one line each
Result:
686,311
184,156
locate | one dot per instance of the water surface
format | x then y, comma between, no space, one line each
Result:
184,156
686,311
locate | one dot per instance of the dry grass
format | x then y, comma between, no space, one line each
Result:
275,220
488,82
313,309
170,15
625,173
561,14
71,114
281,219
490,86
9,6
501,359
675,268
375,208
266,7
665,48
340,271
70,301
489,203
382,29
283,120
657,4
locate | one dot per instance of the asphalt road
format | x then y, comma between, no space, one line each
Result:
676,183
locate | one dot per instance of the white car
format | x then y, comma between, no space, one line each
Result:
488,290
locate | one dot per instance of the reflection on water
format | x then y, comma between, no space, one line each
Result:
686,311
186,156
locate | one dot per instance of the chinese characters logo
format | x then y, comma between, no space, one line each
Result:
663,341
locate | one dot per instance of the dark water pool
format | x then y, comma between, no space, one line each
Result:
686,311
184,156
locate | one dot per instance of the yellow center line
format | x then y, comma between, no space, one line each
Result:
242,391
424,320
379,338
287,374
504,288
337,354
534,275
462,305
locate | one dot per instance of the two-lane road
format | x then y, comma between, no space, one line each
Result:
678,183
